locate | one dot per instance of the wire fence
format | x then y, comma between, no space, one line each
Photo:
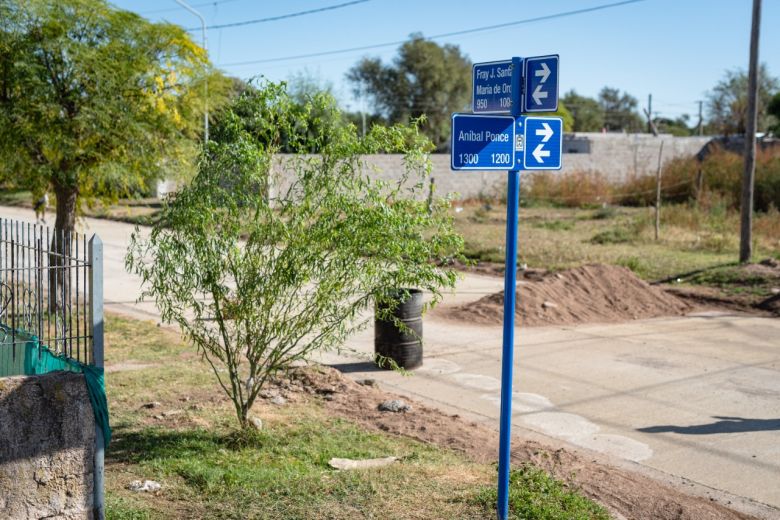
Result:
47,293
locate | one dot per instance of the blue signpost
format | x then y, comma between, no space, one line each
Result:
512,143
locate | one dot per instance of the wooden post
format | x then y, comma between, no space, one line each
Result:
658,192
748,178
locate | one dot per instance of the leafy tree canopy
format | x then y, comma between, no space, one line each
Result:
587,114
620,110
727,101
425,79
95,101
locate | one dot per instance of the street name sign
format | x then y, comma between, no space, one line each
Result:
540,84
492,87
542,143
482,142
513,142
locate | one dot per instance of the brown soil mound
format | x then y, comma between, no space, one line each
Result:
591,293
626,493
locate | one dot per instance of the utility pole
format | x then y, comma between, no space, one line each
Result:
650,114
701,121
651,128
746,206
206,78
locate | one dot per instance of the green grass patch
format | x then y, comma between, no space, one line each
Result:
612,236
555,225
534,495
210,469
691,237
735,279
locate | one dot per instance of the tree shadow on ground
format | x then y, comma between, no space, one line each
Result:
134,446
722,425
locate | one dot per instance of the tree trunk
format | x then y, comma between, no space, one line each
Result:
66,208
64,226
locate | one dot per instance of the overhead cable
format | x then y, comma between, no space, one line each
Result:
436,36
285,16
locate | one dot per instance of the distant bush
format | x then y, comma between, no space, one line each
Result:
612,236
721,178
577,189
555,225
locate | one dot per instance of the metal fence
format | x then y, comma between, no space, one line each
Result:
48,283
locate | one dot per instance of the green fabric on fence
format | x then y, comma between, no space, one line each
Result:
38,360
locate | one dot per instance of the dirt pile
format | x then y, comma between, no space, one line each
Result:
587,294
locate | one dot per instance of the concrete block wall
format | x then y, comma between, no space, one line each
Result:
616,156
47,439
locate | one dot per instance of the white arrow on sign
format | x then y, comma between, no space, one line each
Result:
546,132
539,94
540,153
544,72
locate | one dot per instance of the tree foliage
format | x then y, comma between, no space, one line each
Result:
587,114
256,281
773,109
727,101
425,79
620,110
307,102
95,101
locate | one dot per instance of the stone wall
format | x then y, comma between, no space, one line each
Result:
47,439
616,156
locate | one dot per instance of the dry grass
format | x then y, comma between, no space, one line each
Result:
721,177
209,469
558,238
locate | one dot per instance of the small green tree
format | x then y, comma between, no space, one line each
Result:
258,282
95,101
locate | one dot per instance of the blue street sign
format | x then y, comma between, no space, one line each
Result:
482,142
540,84
542,143
492,87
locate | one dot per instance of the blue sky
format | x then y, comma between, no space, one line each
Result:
675,49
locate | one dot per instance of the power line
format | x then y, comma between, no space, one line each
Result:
286,16
204,4
438,36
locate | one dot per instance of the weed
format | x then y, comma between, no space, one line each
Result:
535,495
118,508
634,263
605,212
555,225
612,236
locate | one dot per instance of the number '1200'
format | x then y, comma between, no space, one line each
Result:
500,158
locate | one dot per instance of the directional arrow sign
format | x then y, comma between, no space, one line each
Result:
540,84
542,143
492,87
482,142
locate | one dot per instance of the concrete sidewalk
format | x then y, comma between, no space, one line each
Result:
697,397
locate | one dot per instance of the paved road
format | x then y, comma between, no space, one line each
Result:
697,397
